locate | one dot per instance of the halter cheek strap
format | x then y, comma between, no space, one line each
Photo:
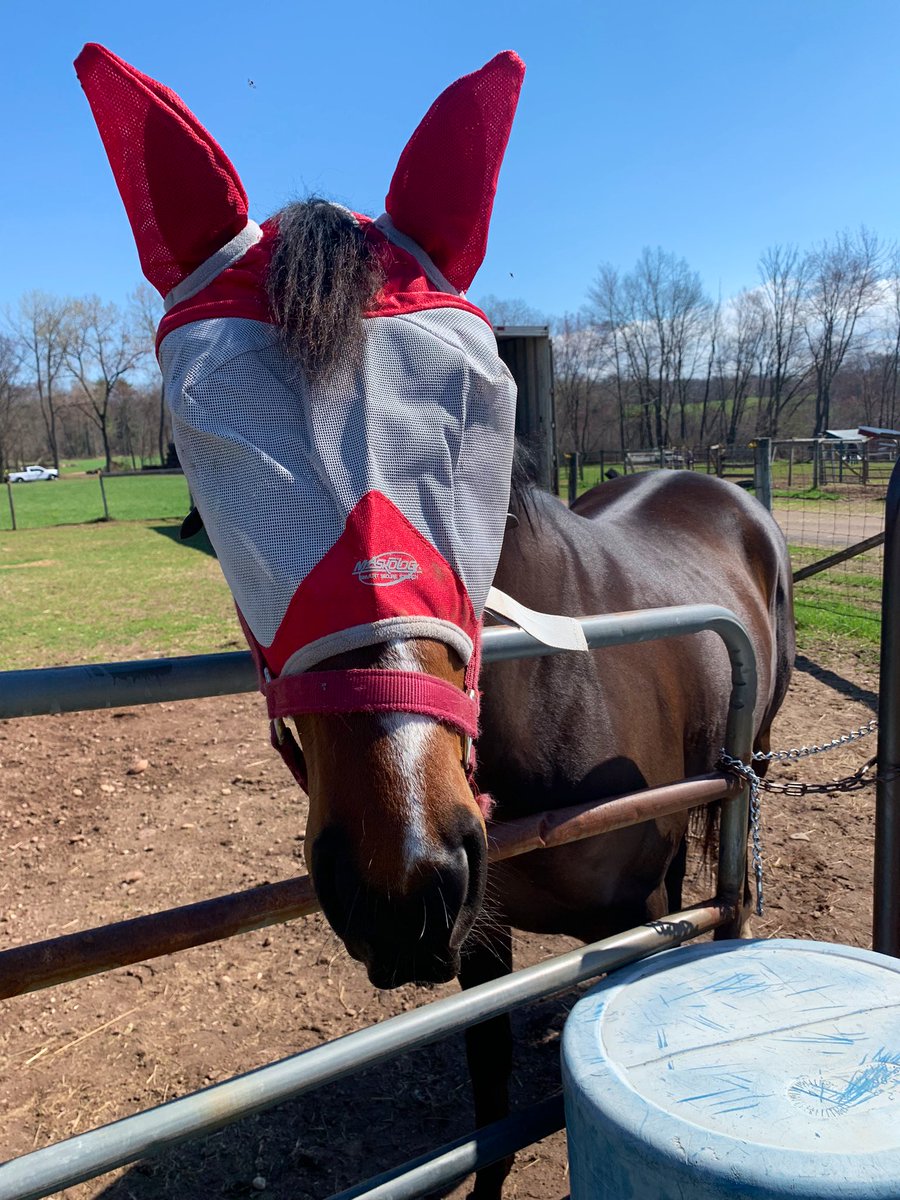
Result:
370,690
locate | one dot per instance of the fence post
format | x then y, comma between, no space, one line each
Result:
865,463
103,494
762,471
573,477
791,467
12,507
886,904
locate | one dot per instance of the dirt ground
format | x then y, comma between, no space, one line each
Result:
108,815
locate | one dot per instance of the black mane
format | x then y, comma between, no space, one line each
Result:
322,278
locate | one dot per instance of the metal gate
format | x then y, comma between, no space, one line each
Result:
27,968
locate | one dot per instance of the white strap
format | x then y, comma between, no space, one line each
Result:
564,633
214,265
434,274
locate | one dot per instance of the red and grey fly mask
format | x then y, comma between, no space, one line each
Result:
367,508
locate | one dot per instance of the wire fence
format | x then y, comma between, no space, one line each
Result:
828,496
84,499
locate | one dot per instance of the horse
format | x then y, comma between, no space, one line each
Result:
346,426
567,729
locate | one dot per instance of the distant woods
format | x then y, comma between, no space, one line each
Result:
78,379
652,360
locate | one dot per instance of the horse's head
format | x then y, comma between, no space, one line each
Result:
346,427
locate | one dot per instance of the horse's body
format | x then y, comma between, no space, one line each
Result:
570,728
566,729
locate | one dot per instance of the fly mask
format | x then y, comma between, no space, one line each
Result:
369,505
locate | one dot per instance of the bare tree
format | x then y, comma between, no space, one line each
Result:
42,328
147,312
784,366
606,296
510,311
103,348
841,285
740,358
581,355
659,311
10,361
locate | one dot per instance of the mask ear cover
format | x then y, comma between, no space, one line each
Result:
182,195
442,192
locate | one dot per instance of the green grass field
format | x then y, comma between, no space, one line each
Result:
78,500
841,603
74,588
110,591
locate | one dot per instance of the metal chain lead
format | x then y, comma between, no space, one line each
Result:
806,751
747,773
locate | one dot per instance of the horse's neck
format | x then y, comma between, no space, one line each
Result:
540,562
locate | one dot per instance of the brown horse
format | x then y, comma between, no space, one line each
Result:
346,427
388,796
566,729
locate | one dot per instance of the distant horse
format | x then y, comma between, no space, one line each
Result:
346,427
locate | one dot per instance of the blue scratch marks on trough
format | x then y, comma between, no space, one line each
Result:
826,1039
871,1079
739,1094
706,1096
708,1023
661,1040
739,983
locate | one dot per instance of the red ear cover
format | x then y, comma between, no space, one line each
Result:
442,192
182,195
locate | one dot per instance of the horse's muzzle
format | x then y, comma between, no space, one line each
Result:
411,932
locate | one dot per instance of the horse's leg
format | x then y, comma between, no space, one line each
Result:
675,877
489,1049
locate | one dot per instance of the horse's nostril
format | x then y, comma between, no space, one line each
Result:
411,933
335,878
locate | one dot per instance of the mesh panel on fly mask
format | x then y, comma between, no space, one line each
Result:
376,500
373,505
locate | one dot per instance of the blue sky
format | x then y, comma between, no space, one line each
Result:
712,128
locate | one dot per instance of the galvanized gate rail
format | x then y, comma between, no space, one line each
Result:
25,693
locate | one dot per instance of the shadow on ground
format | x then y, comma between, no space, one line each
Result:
838,682
199,541
312,1148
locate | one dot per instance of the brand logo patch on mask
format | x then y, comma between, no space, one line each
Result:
384,570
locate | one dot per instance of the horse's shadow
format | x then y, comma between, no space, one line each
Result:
316,1146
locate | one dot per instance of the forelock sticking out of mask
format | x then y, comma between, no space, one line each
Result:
370,503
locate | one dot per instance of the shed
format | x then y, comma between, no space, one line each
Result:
845,435
528,352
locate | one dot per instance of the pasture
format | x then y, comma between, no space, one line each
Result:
77,500
111,814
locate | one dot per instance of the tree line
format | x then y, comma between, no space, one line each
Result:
653,361
78,379
650,361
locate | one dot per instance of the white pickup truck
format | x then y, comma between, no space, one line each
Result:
32,475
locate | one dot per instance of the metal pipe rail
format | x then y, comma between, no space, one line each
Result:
886,890
49,690
450,1164
113,685
89,1154
89,951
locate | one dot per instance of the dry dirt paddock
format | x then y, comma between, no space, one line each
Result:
209,809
